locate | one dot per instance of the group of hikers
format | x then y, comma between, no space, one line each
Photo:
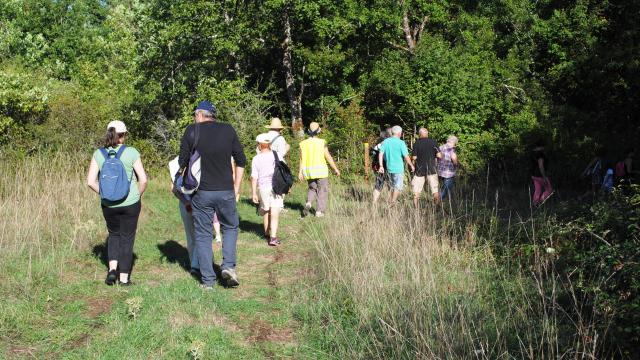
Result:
207,174
605,171
427,162
211,155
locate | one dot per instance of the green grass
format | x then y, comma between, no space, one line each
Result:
57,306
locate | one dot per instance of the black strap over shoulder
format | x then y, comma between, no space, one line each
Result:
196,137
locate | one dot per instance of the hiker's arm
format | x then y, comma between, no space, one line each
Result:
180,196
439,155
454,158
380,161
254,190
300,174
237,154
185,151
409,162
92,176
141,175
237,182
327,155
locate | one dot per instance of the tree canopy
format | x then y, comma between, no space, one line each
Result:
498,74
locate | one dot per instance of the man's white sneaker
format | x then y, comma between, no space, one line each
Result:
319,214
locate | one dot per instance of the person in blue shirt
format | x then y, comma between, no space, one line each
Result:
394,153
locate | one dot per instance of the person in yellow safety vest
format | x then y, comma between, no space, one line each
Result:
314,156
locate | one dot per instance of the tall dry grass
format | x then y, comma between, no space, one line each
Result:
428,284
45,205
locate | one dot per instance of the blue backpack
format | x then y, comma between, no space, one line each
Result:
114,184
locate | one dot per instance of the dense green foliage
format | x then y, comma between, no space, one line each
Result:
599,248
499,74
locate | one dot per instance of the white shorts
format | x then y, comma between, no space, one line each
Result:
417,183
269,200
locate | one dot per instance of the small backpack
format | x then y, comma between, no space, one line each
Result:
191,175
621,170
375,161
282,180
114,184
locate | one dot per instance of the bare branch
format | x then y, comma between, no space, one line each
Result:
397,46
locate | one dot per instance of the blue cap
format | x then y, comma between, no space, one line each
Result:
206,105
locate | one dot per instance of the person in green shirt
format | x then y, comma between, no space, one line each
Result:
394,153
122,216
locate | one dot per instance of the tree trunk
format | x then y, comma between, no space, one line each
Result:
295,99
411,33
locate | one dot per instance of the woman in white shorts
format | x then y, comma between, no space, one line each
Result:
262,169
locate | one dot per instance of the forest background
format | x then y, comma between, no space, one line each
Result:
498,74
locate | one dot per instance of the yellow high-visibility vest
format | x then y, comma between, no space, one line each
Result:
314,165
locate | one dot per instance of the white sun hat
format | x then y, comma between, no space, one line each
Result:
264,139
120,127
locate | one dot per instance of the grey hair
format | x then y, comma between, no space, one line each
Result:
452,140
205,113
422,131
396,130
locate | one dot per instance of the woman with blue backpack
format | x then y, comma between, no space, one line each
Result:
111,174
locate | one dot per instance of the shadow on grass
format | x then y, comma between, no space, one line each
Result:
100,252
174,253
255,228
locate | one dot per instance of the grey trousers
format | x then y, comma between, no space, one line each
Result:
318,190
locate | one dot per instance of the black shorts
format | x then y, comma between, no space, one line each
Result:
380,180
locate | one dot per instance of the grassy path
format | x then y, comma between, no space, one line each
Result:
72,314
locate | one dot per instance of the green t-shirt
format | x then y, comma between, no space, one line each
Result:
394,151
129,157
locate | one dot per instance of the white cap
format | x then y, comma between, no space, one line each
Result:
118,125
264,139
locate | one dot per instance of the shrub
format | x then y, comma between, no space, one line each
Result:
598,250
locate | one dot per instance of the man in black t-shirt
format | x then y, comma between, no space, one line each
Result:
217,143
424,154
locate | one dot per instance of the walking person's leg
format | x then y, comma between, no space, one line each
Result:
189,230
548,190
225,207
377,187
128,228
432,181
449,184
323,195
312,194
274,220
398,183
216,228
417,184
444,191
203,209
265,222
537,189
275,204
111,217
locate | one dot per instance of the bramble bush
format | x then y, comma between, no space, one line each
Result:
594,249
599,251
